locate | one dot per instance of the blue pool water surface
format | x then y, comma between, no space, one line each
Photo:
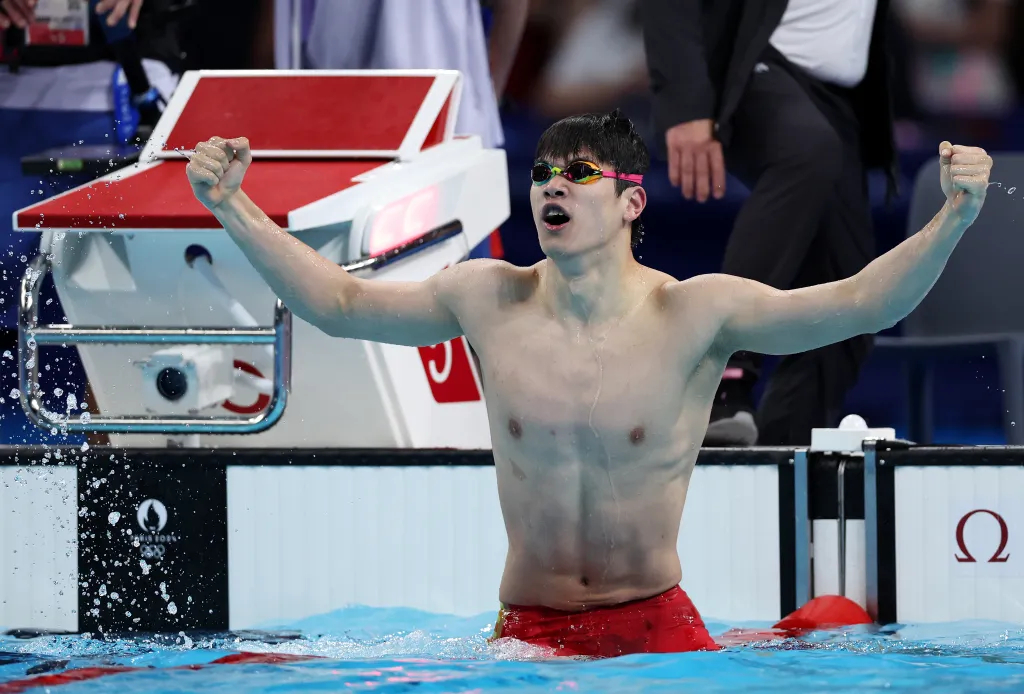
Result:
397,650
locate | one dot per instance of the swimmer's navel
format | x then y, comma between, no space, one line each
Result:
515,429
637,435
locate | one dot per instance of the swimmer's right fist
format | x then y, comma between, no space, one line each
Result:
217,168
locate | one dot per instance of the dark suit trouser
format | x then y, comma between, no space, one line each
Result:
795,144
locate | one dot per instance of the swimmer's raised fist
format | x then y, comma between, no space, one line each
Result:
964,173
217,168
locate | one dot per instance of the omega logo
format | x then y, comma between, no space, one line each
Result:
1004,536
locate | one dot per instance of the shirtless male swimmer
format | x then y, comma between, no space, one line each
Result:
599,373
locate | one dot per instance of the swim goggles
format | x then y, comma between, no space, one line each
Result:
578,172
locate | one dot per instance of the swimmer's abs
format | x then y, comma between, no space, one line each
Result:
586,535
527,582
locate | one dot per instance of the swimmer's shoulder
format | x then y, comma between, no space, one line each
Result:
488,279
706,298
705,290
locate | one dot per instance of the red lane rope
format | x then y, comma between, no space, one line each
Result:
91,673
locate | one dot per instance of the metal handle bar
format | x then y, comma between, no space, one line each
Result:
31,335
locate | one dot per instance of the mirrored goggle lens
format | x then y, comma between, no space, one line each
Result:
577,172
581,171
541,173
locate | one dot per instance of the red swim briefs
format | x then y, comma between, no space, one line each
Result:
665,623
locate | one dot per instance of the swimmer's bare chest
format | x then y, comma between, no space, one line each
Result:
594,435
558,397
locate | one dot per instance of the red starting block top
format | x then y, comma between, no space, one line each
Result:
314,131
158,196
302,113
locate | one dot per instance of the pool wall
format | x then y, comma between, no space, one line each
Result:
221,539
242,539
945,538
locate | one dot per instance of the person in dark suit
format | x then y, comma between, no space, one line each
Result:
792,98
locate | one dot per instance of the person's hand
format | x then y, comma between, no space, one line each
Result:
216,169
964,173
20,13
117,9
695,161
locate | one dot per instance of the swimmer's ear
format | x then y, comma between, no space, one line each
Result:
636,201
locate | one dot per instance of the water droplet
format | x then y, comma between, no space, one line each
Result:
103,589
172,608
1010,191
114,517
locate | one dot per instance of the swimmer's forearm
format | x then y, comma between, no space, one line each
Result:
308,284
892,285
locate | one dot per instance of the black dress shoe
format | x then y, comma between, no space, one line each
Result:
732,416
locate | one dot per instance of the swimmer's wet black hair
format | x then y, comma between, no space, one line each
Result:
609,138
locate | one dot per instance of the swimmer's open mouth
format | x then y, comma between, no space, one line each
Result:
553,216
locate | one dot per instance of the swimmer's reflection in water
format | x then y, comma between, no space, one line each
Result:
593,455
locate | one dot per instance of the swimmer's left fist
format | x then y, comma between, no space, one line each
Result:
964,176
217,168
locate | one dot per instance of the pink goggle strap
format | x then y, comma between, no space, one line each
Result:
632,178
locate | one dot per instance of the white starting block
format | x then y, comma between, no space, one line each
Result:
853,431
360,165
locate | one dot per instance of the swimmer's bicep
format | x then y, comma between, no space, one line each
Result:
757,318
403,313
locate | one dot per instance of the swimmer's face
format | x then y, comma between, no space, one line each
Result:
573,218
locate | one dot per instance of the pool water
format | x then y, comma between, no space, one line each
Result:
396,650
